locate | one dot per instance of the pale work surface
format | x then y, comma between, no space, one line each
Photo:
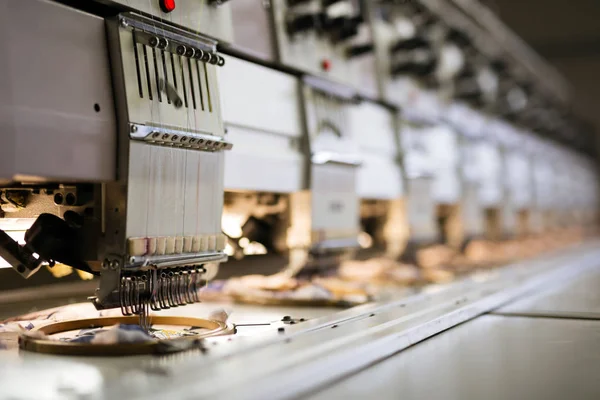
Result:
576,299
491,357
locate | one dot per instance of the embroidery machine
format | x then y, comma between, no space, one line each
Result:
157,145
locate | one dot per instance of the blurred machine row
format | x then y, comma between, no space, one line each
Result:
158,144
131,129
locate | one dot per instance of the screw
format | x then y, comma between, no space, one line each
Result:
165,136
155,134
114,264
134,128
153,41
124,23
281,329
70,199
286,318
105,264
175,137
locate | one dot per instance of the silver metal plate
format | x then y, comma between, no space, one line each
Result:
576,298
489,358
56,109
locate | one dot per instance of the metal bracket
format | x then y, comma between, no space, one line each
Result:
21,259
176,138
143,24
176,260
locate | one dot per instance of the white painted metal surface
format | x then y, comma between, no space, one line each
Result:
263,118
518,178
444,148
489,166
380,175
252,28
50,127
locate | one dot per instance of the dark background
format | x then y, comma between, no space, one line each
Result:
567,34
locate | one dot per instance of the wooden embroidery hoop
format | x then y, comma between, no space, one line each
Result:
31,343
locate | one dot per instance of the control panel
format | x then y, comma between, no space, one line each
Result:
329,38
406,34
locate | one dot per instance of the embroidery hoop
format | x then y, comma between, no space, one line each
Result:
30,343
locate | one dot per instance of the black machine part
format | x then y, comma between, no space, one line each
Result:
50,239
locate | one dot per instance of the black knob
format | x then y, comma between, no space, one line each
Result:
303,23
431,82
359,50
410,44
327,3
416,69
292,3
458,37
418,63
342,28
467,89
467,73
346,33
332,24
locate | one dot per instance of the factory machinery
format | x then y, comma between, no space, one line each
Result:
156,146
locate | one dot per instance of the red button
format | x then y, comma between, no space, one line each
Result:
326,65
167,5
